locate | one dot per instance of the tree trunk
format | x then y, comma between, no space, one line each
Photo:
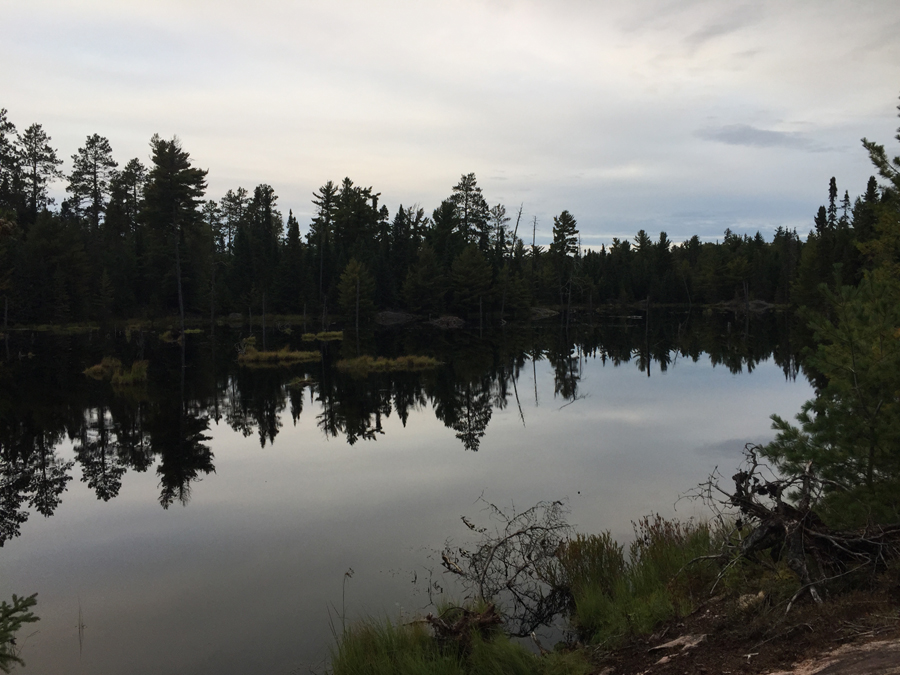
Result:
178,275
212,297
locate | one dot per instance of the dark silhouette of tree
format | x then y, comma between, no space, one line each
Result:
93,167
40,166
171,198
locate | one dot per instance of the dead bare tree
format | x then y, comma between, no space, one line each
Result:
777,514
511,564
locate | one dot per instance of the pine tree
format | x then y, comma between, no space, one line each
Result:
356,291
92,169
172,196
471,280
40,166
472,213
563,250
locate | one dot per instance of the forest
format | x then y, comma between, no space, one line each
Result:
138,241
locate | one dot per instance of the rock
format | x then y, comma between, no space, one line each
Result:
872,658
749,600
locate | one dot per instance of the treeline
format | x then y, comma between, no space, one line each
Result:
138,240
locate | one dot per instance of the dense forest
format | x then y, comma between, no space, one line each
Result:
142,241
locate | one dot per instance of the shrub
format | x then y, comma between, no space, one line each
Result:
613,598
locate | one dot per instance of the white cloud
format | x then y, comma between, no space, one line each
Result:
607,109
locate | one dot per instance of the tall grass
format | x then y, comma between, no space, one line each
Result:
137,374
324,336
615,596
110,368
384,648
285,356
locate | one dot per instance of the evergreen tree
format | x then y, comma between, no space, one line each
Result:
234,208
40,166
472,213
12,199
425,285
563,250
356,291
471,280
292,295
172,196
89,183
321,234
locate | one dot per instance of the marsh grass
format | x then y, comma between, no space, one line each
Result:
324,336
137,374
110,368
298,382
364,365
105,369
615,596
381,647
281,357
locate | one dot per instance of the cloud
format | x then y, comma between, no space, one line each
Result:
754,137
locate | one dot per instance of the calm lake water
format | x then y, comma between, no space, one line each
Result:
220,520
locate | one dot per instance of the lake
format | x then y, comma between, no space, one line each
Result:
226,519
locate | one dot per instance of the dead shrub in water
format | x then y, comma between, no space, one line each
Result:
513,564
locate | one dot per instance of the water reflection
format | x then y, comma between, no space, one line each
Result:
165,423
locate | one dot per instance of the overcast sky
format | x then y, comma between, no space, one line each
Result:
687,117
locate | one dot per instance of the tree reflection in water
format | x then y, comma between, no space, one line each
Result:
166,422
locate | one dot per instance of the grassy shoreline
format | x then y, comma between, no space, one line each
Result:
667,600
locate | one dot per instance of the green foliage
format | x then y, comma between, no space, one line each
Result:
137,374
281,357
425,285
385,648
12,617
105,369
324,336
355,293
110,368
851,429
615,597
471,277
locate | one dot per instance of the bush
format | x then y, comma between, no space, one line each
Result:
613,598
12,617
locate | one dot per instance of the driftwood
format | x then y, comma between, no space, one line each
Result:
457,625
779,512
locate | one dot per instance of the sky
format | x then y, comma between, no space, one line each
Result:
677,116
